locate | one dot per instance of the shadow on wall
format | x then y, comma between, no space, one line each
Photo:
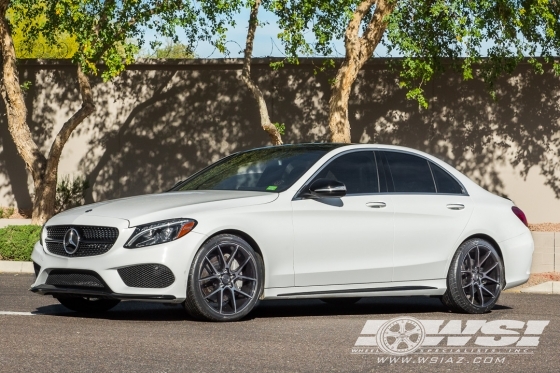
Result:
161,122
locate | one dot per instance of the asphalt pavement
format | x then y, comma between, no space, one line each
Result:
39,335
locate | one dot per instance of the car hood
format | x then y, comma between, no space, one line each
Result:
154,207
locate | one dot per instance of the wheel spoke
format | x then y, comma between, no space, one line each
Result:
402,326
211,265
416,330
472,293
485,257
396,343
467,285
481,296
208,278
238,270
226,266
221,299
491,268
477,256
491,279
245,278
390,333
233,300
231,258
408,342
212,293
242,293
488,291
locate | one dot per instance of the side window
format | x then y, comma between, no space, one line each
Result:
445,183
357,170
409,173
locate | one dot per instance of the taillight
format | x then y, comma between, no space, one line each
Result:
520,214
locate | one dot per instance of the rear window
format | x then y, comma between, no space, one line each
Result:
445,183
409,173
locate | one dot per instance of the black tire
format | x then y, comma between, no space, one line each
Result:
88,304
475,278
340,301
226,280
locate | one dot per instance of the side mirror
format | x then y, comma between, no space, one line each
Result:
322,188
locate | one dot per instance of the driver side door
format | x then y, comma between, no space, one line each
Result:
347,240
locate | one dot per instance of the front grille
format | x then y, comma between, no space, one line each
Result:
147,276
75,278
93,240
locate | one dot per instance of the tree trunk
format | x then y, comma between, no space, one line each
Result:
358,50
43,170
266,124
45,187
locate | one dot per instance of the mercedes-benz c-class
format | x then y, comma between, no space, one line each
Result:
336,222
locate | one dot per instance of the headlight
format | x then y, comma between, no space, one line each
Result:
159,232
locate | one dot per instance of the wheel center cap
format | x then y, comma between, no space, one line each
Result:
226,279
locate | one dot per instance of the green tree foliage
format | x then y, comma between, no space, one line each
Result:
108,32
483,38
171,49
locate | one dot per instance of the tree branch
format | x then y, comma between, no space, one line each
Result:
64,134
273,133
15,103
376,28
352,34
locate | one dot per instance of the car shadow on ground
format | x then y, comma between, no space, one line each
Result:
366,306
143,311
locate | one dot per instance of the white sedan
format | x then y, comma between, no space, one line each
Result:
330,221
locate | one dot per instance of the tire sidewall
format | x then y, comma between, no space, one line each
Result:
193,290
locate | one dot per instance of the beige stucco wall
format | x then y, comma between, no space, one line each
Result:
158,123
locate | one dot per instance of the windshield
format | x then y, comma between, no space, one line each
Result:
272,169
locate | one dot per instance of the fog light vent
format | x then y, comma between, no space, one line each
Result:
153,276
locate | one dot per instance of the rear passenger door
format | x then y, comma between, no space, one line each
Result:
431,209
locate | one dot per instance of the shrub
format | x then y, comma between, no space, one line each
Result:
6,212
70,193
17,241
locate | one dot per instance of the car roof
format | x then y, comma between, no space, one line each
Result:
331,146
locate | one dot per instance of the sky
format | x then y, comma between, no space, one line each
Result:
266,42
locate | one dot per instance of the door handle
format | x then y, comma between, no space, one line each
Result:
376,205
455,206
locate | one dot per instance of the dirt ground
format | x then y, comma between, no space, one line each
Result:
536,279
545,227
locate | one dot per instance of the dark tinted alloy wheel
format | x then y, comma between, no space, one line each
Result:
475,278
225,280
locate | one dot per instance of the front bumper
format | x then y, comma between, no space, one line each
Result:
176,255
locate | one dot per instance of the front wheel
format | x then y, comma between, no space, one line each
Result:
475,278
225,280
88,304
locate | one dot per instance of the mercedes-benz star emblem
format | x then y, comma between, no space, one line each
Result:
71,241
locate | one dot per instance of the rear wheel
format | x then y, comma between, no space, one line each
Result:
225,280
88,304
475,278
